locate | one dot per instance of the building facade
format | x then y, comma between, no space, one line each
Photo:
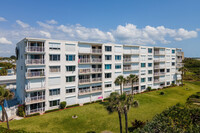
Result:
52,71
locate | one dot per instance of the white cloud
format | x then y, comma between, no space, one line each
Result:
3,40
2,19
198,29
45,34
22,24
52,21
44,25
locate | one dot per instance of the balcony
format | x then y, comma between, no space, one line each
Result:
35,99
97,51
96,79
37,110
127,59
37,74
84,60
159,52
127,68
179,53
96,60
83,81
90,70
128,85
159,73
89,91
35,62
35,49
29,89
159,66
179,60
159,60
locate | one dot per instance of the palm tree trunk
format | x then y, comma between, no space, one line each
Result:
182,79
132,87
120,121
3,109
2,117
121,88
126,120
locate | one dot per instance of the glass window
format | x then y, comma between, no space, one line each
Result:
142,79
53,92
149,64
108,75
117,57
108,48
70,79
117,66
70,68
168,70
143,64
70,90
54,57
108,57
54,69
54,46
149,78
108,66
168,83
149,50
149,71
143,87
54,103
173,63
173,51
70,57
108,85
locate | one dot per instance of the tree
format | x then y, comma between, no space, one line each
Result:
114,104
120,80
3,72
127,102
5,94
132,79
182,70
13,57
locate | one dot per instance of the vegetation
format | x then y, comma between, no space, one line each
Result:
21,110
94,117
132,79
5,94
35,114
162,93
6,66
120,80
53,110
63,105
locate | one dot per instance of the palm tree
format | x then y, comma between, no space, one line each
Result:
183,71
120,80
132,79
127,102
5,94
113,105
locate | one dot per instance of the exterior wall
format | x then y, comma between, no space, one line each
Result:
138,55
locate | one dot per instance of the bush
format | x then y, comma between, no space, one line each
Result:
63,105
86,103
75,105
21,111
149,88
162,93
33,115
137,124
51,110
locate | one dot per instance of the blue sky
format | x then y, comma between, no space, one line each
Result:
170,23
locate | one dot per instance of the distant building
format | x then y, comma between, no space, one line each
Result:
52,71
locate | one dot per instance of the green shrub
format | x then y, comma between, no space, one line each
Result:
162,93
137,124
33,115
75,105
87,103
148,88
21,111
51,110
63,105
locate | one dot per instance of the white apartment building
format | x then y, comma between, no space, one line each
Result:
52,71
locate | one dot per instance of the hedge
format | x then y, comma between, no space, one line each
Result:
33,115
51,110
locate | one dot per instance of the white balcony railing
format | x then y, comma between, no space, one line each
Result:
96,89
127,59
84,91
84,60
129,84
36,110
28,88
159,73
84,70
159,66
35,98
96,50
35,74
34,49
96,60
84,80
35,61
126,68
159,52
88,70
96,70
96,79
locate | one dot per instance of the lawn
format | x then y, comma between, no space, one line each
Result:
94,117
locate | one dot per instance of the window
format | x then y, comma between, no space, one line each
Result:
54,46
143,87
143,72
70,79
70,68
54,57
149,71
173,51
149,64
117,66
108,57
149,78
54,103
70,57
108,85
173,63
108,66
108,48
54,69
117,57
53,92
142,79
149,50
168,83
70,90
108,75
143,64
168,70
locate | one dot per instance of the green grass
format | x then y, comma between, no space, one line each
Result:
94,117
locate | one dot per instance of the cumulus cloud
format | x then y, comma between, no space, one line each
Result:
45,34
44,25
52,21
22,24
3,40
2,19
